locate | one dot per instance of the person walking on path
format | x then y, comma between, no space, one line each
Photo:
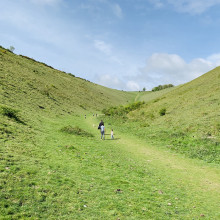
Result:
100,124
112,134
102,132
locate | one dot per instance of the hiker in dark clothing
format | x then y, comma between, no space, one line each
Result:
102,129
100,124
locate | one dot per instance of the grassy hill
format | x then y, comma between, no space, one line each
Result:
191,105
184,118
31,90
148,96
54,166
32,84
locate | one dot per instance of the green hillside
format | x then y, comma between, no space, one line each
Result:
35,90
191,106
53,164
148,96
35,85
184,118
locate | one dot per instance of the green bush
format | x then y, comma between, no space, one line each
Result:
160,87
76,131
162,111
122,110
11,113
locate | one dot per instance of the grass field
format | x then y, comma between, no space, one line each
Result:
66,176
54,165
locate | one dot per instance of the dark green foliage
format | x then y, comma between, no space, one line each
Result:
71,74
83,107
11,113
76,131
160,87
162,111
122,110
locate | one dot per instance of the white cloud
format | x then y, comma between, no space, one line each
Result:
117,10
103,47
46,2
107,50
110,81
193,6
157,3
187,6
132,86
215,58
164,68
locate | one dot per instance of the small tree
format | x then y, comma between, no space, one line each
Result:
11,48
144,89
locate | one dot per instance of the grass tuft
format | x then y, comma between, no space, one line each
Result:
76,131
11,113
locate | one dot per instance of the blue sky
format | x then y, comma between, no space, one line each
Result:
124,44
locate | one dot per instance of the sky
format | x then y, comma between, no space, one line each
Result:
121,44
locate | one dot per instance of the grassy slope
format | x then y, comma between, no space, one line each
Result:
46,173
39,91
191,124
193,105
28,83
149,96
65,176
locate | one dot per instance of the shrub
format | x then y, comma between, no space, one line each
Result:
71,74
160,87
83,107
76,131
11,113
162,111
122,110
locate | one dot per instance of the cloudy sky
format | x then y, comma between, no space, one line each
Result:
121,44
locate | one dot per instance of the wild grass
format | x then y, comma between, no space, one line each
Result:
11,113
73,177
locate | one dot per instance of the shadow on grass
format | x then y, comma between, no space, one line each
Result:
115,139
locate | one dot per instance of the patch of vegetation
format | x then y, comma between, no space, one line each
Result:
205,147
11,113
162,111
161,87
70,74
122,110
83,107
76,131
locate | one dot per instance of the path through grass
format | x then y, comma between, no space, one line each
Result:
198,181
